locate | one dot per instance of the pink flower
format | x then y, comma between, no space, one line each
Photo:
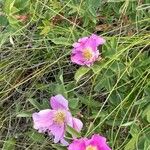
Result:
85,51
97,142
55,120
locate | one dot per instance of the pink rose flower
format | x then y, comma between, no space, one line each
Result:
97,142
55,120
85,51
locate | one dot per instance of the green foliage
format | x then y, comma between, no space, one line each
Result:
112,97
73,132
9,145
80,73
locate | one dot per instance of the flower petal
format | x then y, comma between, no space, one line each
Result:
58,132
64,142
76,44
84,45
77,58
99,40
77,124
59,102
83,40
98,141
42,120
77,145
69,119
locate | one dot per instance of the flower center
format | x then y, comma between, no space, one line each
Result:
87,54
59,117
91,148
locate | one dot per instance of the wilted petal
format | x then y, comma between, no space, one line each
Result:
42,120
77,124
59,102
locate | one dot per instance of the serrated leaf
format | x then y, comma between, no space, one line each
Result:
80,73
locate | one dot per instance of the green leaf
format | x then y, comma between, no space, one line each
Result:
45,104
24,114
134,131
3,21
98,66
73,132
60,89
131,144
58,147
8,4
45,30
9,144
146,113
127,124
35,103
80,73
73,103
61,41
22,4
35,136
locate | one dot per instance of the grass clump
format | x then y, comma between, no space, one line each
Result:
111,98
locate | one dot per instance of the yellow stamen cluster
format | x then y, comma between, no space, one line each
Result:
91,147
87,54
59,117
